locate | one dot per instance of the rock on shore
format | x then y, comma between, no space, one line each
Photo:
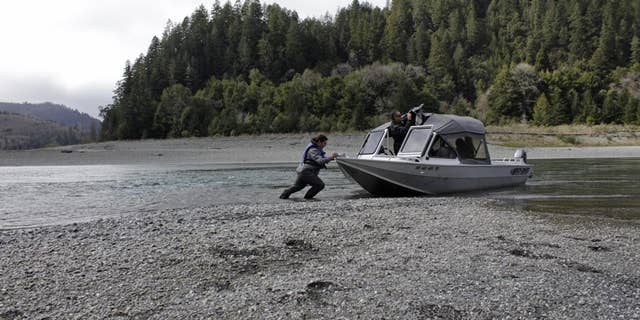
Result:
410,258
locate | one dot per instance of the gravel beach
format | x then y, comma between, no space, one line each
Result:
376,258
413,258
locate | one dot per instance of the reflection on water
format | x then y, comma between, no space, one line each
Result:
599,187
34,196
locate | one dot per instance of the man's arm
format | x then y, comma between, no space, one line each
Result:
402,129
315,155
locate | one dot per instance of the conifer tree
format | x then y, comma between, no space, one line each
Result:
219,40
590,114
535,36
419,44
502,99
579,37
630,105
542,111
611,109
294,46
272,44
196,43
560,112
605,55
472,27
439,64
398,30
166,121
635,50
550,25
250,34
624,32
439,60
637,103
233,27
515,91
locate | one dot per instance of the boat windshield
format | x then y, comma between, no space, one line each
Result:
441,149
371,143
471,148
416,140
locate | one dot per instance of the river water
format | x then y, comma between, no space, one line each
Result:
49,195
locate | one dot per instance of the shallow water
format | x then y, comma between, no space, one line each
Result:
590,187
47,195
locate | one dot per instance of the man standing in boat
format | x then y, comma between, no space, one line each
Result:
399,128
313,159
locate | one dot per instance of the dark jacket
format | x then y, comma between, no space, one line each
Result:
398,132
313,159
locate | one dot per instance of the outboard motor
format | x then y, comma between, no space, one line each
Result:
521,154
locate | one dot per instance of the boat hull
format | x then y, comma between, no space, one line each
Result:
405,178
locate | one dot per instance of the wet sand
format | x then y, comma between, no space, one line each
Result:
407,258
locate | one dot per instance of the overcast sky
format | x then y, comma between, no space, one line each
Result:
72,52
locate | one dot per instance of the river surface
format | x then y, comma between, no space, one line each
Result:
50,195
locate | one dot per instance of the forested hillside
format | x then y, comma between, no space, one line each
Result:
245,67
22,132
60,114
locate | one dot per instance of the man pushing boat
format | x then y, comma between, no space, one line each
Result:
313,159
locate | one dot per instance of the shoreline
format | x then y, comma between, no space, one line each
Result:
248,150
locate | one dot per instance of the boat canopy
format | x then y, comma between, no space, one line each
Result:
451,124
445,124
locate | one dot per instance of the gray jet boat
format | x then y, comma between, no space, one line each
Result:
440,154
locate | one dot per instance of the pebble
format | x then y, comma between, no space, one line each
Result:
353,259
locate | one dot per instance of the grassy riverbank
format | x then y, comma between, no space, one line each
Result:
520,135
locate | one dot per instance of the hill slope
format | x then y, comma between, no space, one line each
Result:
56,113
22,132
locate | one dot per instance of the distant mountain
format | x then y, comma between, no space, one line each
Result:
24,132
56,113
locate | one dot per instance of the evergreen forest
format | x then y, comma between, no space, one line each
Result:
249,68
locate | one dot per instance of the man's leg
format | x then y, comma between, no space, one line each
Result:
316,186
297,186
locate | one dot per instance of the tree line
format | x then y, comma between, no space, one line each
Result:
245,67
